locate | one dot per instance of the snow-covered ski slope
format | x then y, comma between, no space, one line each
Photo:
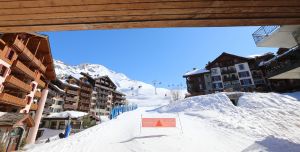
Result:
261,122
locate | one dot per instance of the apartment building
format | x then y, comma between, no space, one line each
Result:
55,99
105,95
26,67
231,73
78,93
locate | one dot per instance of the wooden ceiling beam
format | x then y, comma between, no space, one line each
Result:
155,24
153,12
212,3
143,6
109,19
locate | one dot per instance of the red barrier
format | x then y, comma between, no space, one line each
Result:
158,122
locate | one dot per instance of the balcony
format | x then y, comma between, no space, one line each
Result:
85,101
73,92
276,36
70,106
70,99
86,88
120,97
284,66
103,87
19,66
34,106
85,95
12,100
15,82
84,108
38,94
23,50
41,83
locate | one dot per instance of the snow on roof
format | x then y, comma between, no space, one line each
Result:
58,88
65,114
66,83
196,71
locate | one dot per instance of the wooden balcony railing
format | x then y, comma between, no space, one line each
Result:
86,88
71,99
23,68
70,106
120,97
18,44
41,83
12,100
18,83
38,94
34,106
84,108
72,92
85,101
85,95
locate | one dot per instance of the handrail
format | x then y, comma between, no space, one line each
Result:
263,32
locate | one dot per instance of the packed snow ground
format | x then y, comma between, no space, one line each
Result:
260,122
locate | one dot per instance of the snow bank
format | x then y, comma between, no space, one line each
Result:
257,114
65,114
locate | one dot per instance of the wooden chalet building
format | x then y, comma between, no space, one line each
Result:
78,93
198,82
231,73
26,67
105,95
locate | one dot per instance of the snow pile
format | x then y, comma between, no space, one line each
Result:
257,114
65,114
131,88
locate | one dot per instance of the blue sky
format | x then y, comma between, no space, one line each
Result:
163,54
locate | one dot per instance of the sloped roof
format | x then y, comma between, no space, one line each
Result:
195,72
107,77
226,54
10,119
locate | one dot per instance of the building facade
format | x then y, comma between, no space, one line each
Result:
198,82
104,95
26,67
229,73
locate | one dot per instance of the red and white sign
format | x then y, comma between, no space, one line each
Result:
158,122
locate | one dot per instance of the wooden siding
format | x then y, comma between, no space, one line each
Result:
54,15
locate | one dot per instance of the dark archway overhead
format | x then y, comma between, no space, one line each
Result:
56,15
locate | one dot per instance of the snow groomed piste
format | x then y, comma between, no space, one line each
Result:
259,122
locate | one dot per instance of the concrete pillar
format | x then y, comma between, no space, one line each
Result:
37,119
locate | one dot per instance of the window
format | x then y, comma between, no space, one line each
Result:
2,70
10,54
241,67
60,102
214,71
246,82
244,74
216,78
218,85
